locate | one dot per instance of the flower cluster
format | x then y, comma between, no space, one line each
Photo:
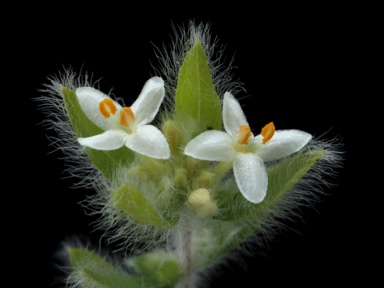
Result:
188,188
129,126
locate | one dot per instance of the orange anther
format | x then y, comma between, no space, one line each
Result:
107,107
267,132
243,134
127,117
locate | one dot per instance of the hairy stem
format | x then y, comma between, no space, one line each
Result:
185,236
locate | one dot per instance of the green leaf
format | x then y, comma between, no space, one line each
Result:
281,179
105,161
161,266
92,270
133,203
196,96
243,217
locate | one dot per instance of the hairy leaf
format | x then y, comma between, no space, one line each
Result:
91,270
133,203
196,96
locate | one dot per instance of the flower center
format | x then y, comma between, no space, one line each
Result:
127,117
107,107
267,132
243,134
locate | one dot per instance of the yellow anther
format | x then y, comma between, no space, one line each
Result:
267,132
127,117
243,134
107,107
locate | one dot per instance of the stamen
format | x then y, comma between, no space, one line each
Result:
107,107
243,135
127,117
267,132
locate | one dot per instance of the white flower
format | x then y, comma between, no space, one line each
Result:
126,125
247,152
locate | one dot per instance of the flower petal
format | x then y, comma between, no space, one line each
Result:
251,176
148,140
148,103
283,144
89,99
109,140
233,115
211,145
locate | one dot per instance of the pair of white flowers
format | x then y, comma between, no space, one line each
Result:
129,126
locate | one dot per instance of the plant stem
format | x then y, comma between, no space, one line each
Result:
185,237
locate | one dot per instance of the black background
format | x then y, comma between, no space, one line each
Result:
299,68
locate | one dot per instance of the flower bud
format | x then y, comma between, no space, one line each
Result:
202,202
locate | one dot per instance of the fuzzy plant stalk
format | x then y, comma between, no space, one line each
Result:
180,177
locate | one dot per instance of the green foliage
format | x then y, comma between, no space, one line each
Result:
133,203
160,266
196,96
92,270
